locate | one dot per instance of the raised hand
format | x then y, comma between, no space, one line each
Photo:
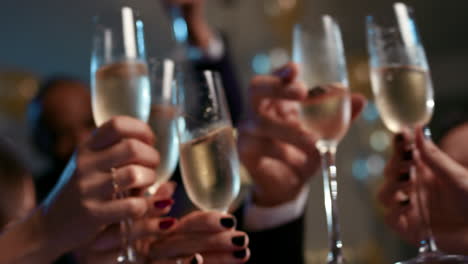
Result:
444,187
210,234
276,148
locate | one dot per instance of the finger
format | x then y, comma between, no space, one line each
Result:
252,148
287,72
187,243
405,220
152,226
166,189
127,151
121,209
394,193
291,133
118,128
358,102
199,221
268,86
240,256
111,237
442,165
134,176
279,85
100,257
196,259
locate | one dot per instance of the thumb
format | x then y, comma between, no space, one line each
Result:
439,162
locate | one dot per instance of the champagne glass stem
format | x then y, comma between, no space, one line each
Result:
128,254
330,185
427,243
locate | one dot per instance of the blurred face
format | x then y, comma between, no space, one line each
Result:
67,112
452,144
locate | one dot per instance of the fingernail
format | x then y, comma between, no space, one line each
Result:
405,202
166,224
238,241
285,72
240,254
194,260
163,203
228,222
399,137
408,155
404,177
316,91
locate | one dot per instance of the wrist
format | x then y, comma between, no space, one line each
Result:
28,242
271,198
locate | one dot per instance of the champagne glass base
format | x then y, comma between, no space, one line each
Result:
436,258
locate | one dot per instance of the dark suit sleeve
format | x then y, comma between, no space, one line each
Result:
231,85
284,244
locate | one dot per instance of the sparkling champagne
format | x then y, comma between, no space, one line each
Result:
404,96
163,120
210,169
326,111
121,89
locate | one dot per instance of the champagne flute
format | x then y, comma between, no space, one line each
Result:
404,96
120,84
208,153
163,117
318,50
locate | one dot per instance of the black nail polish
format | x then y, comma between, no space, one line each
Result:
228,222
405,202
399,137
408,155
194,260
404,177
316,91
240,254
238,241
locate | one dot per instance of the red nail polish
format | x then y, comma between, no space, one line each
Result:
166,224
163,203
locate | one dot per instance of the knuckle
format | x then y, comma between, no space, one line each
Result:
116,122
132,175
132,147
136,208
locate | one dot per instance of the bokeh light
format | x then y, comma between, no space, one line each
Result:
380,140
370,113
375,164
360,169
261,63
278,57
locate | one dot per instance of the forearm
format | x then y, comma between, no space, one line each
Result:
200,33
27,242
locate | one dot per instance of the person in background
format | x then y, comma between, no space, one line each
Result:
442,173
17,196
